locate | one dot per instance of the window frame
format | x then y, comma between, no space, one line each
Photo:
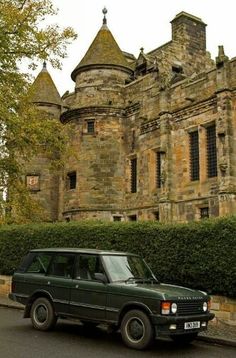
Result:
133,217
88,256
133,175
194,155
158,169
33,257
65,254
211,150
202,215
69,176
90,125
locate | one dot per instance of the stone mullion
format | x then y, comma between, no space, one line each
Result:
223,131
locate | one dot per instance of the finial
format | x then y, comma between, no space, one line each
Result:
104,10
141,49
44,65
221,58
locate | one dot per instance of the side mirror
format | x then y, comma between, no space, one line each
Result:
100,277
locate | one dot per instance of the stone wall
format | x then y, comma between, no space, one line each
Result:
5,285
224,308
148,115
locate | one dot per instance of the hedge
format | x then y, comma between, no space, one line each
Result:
199,255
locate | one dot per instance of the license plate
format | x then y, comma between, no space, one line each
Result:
191,325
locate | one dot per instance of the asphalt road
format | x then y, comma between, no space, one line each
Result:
18,339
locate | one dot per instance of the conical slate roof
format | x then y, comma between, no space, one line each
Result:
104,51
44,89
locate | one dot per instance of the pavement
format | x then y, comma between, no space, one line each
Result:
219,331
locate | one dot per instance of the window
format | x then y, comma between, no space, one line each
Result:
156,216
133,178
90,127
158,169
39,264
211,151
176,68
62,265
116,218
132,217
204,213
194,155
71,180
32,182
87,266
123,268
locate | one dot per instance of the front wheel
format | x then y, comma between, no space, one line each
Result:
136,330
184,338
42,314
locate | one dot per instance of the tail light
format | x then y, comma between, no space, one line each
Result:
13,286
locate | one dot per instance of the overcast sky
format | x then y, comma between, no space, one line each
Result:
139,23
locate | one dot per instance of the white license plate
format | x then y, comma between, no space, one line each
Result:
191,325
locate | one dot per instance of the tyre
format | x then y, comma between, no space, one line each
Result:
136,330
42,314
184,339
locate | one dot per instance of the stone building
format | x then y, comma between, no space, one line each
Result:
155,136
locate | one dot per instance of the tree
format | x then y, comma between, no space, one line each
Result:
22,130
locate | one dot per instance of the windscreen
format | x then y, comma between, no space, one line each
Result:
123,268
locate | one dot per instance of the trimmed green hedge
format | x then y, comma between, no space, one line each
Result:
199,254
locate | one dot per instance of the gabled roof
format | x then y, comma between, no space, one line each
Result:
44,89
104,51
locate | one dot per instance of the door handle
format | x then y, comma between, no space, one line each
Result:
76,286
49,283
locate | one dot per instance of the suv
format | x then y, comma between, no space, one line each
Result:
115,288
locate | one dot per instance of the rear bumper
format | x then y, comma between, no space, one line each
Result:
18,298
173,325
12,297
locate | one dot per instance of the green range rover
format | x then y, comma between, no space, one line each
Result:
115,288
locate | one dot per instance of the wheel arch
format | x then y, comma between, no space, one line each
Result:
133,306
33,297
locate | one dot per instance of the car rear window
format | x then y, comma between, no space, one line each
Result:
39,263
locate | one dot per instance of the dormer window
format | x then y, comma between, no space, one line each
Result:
141,65
177,68
142,69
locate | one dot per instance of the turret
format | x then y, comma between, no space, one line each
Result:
104,67
41,181
45,94
94,181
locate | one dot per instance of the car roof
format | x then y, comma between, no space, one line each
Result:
82,250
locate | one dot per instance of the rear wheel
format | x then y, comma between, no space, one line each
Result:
42,314
136,330
184,338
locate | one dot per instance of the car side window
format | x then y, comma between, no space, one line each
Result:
62,265
39,264
87,266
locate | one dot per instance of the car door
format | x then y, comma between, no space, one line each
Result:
59,280
88,295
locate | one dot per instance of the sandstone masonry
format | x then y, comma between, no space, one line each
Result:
154,136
